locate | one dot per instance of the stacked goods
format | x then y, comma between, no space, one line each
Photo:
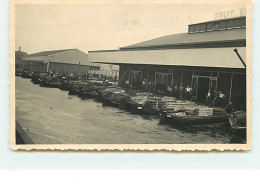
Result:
178,105
140,98
154,105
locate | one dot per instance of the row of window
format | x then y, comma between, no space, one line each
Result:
220,25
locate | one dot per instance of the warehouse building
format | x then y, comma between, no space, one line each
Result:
59,61
202,58
18,57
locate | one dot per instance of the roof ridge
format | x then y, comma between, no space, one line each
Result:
186,38
49,52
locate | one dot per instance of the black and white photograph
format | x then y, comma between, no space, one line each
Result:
132,76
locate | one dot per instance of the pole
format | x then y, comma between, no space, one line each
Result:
147,76
181,76
231,86
235,50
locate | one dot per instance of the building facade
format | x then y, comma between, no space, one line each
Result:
204,58
59,61
18,57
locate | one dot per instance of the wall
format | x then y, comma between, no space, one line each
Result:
34,65
229,81
71,57
56,67
69,68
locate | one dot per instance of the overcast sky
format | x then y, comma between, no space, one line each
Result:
98,27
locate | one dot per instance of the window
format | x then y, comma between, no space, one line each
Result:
238,23
197,28
202,27
230,24
209,27
244,22
223,25
216,26
191,29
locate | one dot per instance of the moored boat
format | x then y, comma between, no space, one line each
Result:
237,123
200,115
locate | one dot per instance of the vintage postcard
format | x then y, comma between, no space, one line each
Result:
130,75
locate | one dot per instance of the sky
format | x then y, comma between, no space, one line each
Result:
90,27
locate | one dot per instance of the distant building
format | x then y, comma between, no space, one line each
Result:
59,61
18,57
202,58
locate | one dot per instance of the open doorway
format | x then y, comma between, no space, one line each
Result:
203,88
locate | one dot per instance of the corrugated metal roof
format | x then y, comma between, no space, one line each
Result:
47,53
201,57
185,38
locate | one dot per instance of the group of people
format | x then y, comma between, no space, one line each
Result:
216,98
180,92
213,97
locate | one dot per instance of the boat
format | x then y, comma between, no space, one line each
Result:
237,123
26,74
36,77
201,115
133,101
75,87
112,96
52,82
18,72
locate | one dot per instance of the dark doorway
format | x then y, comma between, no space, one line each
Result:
203,88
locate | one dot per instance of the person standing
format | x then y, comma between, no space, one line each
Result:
181,91
209,98
188,92
175,91
144,84
115,78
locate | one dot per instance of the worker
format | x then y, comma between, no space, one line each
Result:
115,78
144,84
188,92
169,91
220,99
181,91
149,87
175,91
229,108
209,98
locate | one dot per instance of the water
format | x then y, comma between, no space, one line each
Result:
51,116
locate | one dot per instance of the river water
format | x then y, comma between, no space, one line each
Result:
51,116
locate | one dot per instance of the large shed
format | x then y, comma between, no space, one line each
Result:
202,58
59,61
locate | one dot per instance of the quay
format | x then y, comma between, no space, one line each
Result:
21,136
51,116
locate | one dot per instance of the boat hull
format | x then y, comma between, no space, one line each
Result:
191,120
